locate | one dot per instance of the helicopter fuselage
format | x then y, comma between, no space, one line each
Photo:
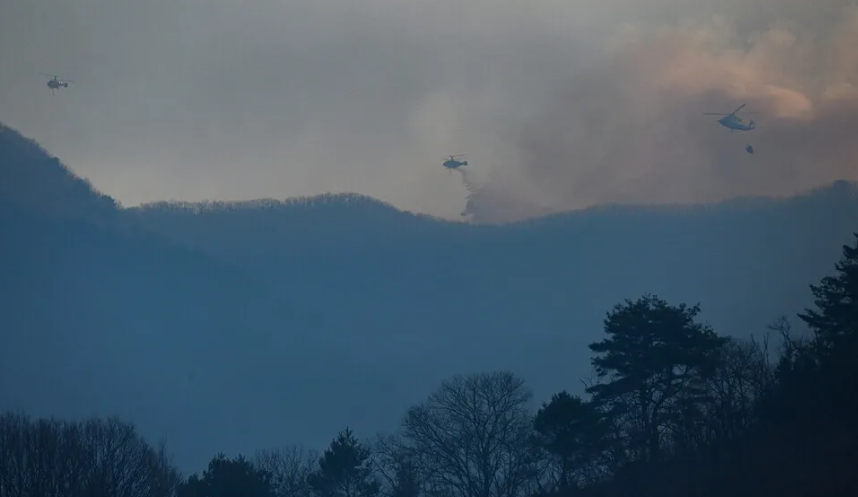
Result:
735,123
454,164
56,84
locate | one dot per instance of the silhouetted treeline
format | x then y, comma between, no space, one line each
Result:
92,458
673,409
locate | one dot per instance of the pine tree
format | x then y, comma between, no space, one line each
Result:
834,322
345,470
656,359
228,478
573,432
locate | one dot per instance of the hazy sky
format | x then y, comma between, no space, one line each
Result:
559,103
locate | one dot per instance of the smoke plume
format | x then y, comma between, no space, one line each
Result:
630,129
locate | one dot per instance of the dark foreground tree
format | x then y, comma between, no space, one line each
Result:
743,377
228,478
575,436
473,437
289,467
398,467
807,390
93,458
656,360
813,400
790,431
345,469
834,322
406,480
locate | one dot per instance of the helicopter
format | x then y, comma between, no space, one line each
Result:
55,83
733,122
452,163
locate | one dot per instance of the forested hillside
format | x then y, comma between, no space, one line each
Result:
226,326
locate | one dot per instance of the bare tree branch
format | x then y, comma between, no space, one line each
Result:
55,458
471,436
289,467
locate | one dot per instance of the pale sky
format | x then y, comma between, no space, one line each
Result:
559,104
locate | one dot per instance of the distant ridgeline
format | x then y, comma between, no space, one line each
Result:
337,199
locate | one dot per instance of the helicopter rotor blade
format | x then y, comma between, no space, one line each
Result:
738,109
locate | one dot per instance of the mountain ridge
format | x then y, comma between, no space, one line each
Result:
59,174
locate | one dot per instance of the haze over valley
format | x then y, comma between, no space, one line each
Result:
222,327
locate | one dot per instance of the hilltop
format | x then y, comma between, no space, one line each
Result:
31,178
221,325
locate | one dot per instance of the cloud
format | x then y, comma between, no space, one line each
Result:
559,104
629,128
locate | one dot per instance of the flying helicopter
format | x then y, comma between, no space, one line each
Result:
55,83
733,122
452,163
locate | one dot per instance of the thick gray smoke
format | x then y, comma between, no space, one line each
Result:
488,206
630,128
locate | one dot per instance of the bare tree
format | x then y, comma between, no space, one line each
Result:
54,458
471,437
398,468
733,391
743,378
289,467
